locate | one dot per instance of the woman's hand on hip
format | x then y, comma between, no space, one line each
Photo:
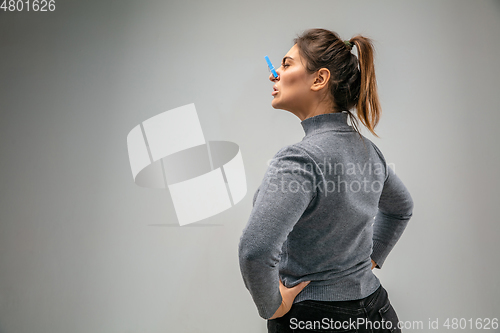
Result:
287,296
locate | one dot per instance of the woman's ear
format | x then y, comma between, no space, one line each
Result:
321,79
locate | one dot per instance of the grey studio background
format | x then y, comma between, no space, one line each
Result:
84,249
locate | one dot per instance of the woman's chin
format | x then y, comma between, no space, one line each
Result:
275,104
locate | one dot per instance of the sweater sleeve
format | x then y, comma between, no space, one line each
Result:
395,209
286,191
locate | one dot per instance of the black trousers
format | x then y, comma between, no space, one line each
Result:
372,314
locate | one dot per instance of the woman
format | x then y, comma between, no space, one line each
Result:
329,209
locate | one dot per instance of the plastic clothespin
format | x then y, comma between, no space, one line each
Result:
271,67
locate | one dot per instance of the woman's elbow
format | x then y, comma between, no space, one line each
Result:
248,252
409,206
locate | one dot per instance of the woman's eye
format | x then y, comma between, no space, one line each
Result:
285,65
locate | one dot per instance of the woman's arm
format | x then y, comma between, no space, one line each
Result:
284,195
395,210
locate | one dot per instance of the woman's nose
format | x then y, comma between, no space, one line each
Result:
272,78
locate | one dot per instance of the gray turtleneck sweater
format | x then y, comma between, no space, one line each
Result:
327,205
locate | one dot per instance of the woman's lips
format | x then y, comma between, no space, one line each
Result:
274,92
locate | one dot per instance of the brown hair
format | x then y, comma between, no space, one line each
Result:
350,85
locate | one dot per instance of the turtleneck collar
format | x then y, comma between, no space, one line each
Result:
325,122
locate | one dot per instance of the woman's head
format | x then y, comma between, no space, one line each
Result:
296,89
323,67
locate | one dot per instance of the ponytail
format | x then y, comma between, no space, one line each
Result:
368,106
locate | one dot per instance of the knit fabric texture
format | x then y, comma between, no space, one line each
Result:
327,205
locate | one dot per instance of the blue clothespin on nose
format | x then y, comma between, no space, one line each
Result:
271,67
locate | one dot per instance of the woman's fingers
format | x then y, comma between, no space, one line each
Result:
287,297
298,288
289,294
